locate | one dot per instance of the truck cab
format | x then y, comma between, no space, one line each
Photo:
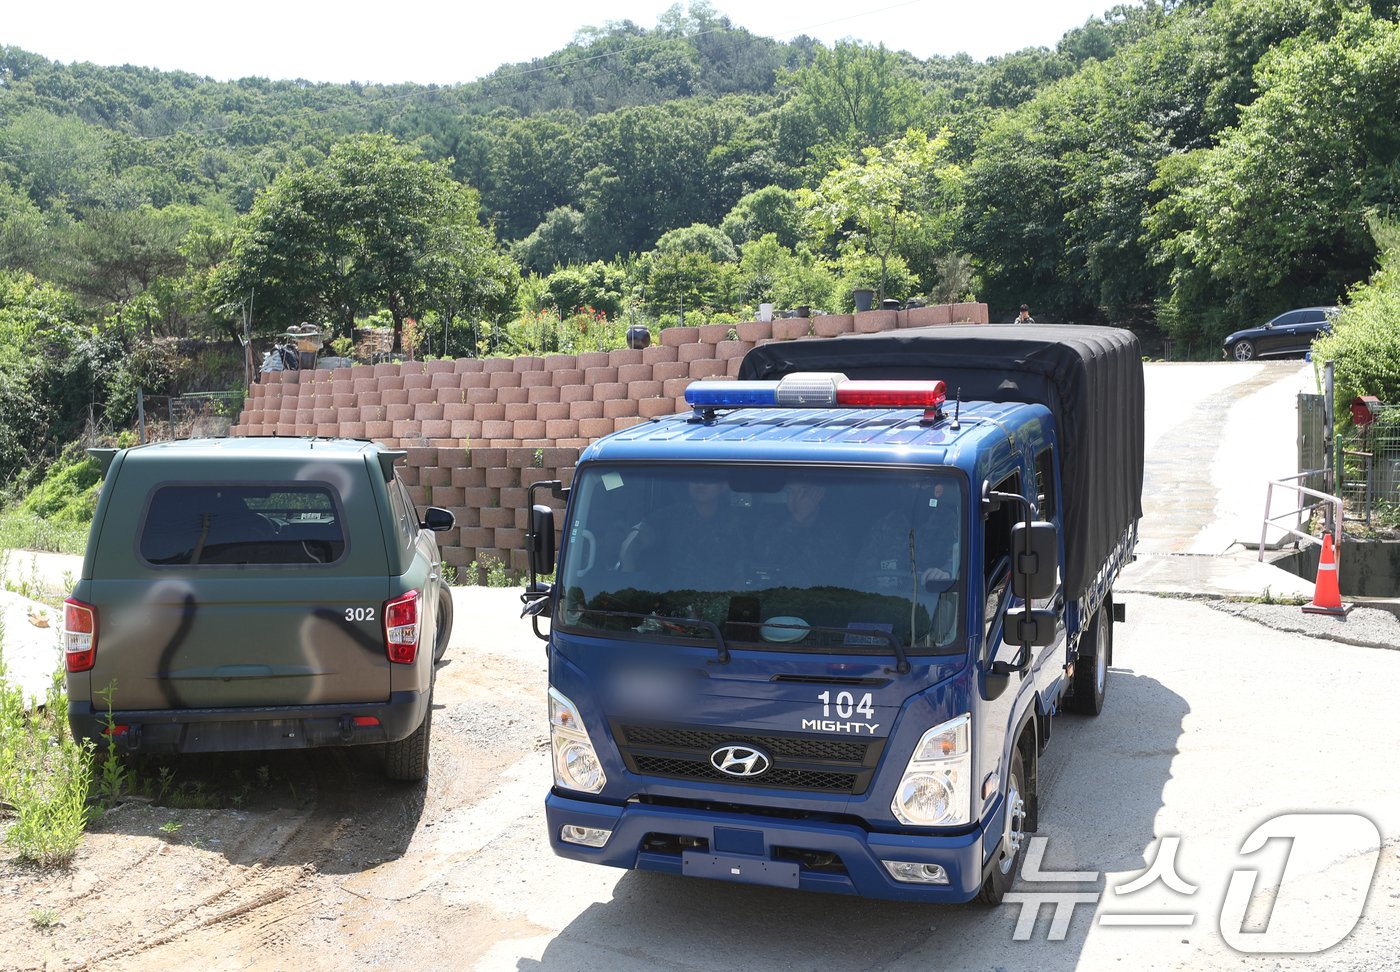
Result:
812,636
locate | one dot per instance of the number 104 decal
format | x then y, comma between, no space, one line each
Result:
844,706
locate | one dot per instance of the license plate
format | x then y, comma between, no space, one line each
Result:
736,867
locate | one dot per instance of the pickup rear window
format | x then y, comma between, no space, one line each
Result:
222,524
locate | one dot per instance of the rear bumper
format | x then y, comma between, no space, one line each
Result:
750,843
252,728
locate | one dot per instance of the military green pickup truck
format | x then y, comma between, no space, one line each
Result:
252,594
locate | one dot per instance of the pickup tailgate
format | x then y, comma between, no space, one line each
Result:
241,641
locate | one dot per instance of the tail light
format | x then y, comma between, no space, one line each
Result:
401,628
79,635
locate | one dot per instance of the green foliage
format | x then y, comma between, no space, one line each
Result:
1273,216
373,225
771,209
848,96
902,198
707,241
67,495
44,775
597,286
1365,343
112,775
490,572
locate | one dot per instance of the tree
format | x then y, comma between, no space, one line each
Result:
851,94
1274,216
371,226
557,241
768,210
123,253
903,195
698,238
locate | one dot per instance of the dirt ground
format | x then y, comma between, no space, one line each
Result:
321,864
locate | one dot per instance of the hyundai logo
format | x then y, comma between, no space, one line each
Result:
740,760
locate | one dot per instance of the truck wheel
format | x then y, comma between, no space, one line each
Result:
444,623
407,759
1013,837
1091,671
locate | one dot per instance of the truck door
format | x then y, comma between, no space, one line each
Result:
1049,661
995,714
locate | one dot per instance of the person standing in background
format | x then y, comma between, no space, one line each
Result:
1025,316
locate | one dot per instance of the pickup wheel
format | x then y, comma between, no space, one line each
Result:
444,623
1013,837
1091,671
407,759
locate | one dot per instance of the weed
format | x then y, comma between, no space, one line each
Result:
44,775
43,918
449,575
171,827
495,571
113,774
539,458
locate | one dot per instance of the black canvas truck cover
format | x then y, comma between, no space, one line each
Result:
1089,377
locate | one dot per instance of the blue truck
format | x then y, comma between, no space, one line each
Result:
814,633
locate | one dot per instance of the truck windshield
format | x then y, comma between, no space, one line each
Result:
823,559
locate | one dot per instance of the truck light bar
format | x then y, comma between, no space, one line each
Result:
816,390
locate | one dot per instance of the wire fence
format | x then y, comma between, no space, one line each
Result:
195,415
1370,481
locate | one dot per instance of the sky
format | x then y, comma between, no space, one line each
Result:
446,42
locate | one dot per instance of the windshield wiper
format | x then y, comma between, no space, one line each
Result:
710,626
896,646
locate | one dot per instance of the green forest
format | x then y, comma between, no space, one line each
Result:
1179,167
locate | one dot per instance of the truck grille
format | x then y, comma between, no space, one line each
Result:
799,762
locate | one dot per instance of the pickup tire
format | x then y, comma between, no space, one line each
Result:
444,623
1091,670
1013,838
407,759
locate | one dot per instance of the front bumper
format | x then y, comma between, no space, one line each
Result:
253,727
747,845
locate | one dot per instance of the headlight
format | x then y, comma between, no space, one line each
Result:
934,790
576,763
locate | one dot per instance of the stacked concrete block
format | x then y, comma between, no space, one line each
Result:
478,432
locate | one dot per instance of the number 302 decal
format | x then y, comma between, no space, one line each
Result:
359,614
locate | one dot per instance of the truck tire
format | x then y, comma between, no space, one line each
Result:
407,759
1091,671
444,623
1013,838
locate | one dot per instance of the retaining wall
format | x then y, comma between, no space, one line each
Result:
480,431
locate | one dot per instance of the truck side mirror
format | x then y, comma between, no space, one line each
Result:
437,519
541,539
1028,626
1035,556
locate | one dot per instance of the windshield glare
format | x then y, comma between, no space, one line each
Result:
837,560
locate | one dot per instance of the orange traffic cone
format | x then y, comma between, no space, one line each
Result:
1327,599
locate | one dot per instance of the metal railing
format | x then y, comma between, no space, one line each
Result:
1293,484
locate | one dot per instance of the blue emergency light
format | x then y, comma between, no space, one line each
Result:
816,390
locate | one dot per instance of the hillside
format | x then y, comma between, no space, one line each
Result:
1183,167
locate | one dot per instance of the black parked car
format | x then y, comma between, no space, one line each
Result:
1290,333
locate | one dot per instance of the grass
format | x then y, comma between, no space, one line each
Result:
45,775
27,531
43,918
